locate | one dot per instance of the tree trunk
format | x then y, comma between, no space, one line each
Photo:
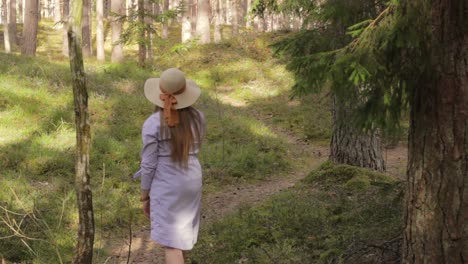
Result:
100,31
165,24
117,6
217,34
203,21
85,239
154,9
6,25
12,23
65,15
350,145
186,21
86,26
30,28
141,33
436,216
235,17
57,13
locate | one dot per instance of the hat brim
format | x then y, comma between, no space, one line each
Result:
187,98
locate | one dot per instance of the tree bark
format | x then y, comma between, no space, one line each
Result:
436,215
86,27
117,6
203,21
153,9
57,11
349,145
186,33
6,25
12,23
85,239
30,28
217,34
235,17
65,15
100,31
165,24
141,33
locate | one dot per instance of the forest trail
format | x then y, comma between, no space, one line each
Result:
303,156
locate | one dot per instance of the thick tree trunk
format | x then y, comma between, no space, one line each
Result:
350,145
85,239
65,15
117,6
86,26
12,23
100,30
30,28
203,21
6,25
437,191
186,33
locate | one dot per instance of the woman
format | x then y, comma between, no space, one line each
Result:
171,179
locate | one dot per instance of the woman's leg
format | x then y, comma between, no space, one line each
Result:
174,256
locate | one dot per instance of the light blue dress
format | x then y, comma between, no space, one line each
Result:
175,191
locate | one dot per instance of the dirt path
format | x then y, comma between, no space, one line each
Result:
304,158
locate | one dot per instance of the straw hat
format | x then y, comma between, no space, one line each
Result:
172,82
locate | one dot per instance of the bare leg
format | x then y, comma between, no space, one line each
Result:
174,256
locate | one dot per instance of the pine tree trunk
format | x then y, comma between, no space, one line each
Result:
217,34
203,21
6,25
30,28
165,24
437,187
235,17
154,9
186,21
100,31
86,26
141,33
117,6
57,13
349,145
85,238
12,23
65,15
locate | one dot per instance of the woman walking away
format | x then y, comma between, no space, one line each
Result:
171,179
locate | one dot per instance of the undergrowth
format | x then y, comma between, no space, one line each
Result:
242,86
338,214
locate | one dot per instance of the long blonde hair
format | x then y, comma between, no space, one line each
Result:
183,136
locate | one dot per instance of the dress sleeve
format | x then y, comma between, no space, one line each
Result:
149,154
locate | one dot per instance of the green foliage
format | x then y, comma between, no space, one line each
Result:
337,210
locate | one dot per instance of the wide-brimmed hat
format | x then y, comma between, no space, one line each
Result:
172,82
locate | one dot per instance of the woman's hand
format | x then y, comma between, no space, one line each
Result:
146,208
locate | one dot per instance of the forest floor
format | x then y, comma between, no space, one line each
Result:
304,157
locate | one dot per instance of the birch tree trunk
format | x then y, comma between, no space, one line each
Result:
100,30
187,21
203,21
65,15
6,25
117,6
30,28
436,214
86,27
85,239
